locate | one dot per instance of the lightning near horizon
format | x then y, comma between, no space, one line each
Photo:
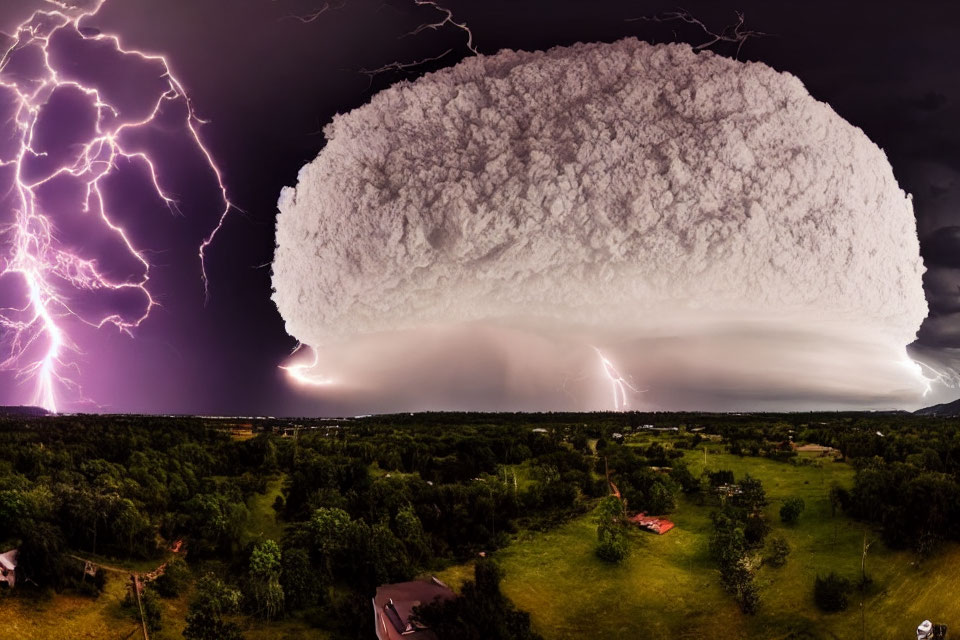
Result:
618,383
300,372
48,271
948,378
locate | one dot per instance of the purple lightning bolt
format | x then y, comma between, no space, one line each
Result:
33,79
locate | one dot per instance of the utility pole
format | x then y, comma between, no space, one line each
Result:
863,561
135,579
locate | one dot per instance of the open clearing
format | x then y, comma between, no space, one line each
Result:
669,586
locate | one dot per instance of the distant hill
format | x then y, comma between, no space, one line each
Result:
22,411
948,409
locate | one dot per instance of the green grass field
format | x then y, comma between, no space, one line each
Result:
263,524
669,586
71,617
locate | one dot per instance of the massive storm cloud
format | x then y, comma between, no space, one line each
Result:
469,239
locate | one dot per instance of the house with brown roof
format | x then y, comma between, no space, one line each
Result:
393,606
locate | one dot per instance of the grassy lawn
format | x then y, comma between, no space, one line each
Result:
290,629
263,524
669,586
69,617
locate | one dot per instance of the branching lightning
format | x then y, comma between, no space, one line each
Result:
734,33
32,250
399,66
313,16
618,383
934,376
447,19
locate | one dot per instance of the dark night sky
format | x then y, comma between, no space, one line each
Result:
268,84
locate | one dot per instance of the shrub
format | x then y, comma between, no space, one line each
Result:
302,584
100,580
213,599
611,547
662,499
717,478
830,593
755,530
748,597
86,588
839,499
778,552
152,610
174,579
791,510
481,611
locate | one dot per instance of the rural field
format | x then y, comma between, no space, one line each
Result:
74,617
669,586
334,515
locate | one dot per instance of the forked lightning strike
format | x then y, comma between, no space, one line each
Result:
448,19
398,65
949,378
617,382
31,249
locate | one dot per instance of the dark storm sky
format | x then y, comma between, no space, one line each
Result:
268,84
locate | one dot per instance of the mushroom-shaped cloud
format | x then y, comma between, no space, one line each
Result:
726,240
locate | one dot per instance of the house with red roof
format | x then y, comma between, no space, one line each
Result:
652,524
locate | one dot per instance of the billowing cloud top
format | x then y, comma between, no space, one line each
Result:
627,188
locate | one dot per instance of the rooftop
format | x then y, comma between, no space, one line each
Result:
393,606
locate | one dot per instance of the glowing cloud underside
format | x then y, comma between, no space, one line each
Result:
723,236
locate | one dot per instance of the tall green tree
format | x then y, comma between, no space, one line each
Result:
264,579
611,533
205,616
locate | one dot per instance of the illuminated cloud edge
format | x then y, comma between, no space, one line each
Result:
696,214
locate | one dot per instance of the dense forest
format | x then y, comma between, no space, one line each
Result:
379,500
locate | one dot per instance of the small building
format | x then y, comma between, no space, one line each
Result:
728,490
393,606
820,449
658,526
930,631
8,567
